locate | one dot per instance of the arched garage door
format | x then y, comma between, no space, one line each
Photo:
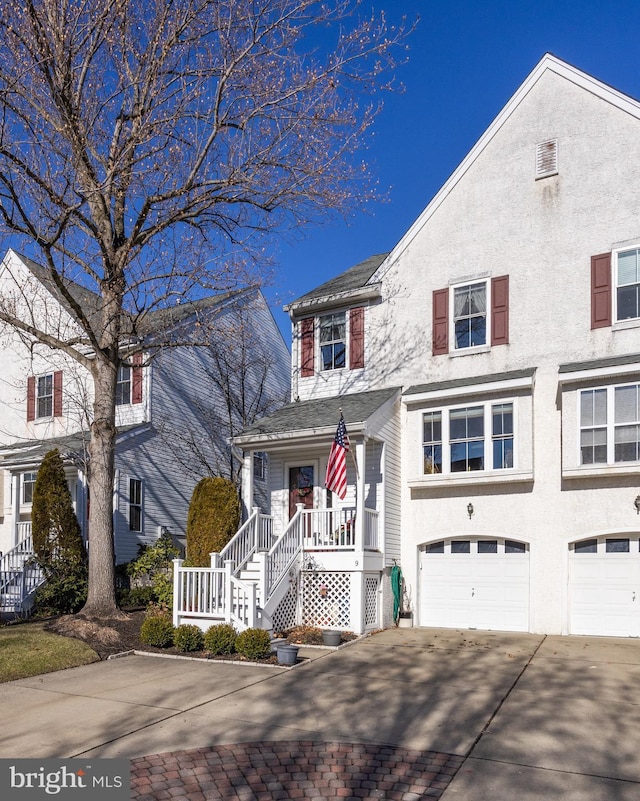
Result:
475,584
604,586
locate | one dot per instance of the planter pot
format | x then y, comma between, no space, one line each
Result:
405,620
287,654
331,638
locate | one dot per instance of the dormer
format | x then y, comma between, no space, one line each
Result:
329,352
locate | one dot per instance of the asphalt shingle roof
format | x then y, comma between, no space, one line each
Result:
321,412
353,278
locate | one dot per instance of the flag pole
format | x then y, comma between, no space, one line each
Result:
353,455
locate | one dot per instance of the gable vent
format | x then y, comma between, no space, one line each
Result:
546,158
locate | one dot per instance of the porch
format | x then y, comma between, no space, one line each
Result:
323,570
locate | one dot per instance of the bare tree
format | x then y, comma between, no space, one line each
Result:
144,143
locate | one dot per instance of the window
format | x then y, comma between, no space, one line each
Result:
135,504
123,385
333,341
627,280
28,483
260,465
610,425
466,436
470,315
468,439
44,396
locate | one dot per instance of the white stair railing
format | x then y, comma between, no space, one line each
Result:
20,576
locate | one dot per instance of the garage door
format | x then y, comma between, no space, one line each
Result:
475,584
604,587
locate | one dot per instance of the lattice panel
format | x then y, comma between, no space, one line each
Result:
326,600
371,584
286,614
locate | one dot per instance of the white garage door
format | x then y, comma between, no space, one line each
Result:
604,587
475,584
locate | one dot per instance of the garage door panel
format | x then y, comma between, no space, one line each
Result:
604,593
475,590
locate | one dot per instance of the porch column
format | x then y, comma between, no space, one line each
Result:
15,497
360,486
247,482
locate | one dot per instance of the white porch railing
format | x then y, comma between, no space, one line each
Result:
23,531
203,595
283,553
255,534
335,529
19,575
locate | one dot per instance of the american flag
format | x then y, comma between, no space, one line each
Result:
336,477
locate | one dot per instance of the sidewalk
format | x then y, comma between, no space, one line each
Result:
512,716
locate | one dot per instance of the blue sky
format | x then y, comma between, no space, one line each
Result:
466,59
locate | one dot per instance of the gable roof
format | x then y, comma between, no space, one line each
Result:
353,283
154,321
547,64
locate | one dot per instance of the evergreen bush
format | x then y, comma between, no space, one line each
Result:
57,541
213,519
220,639
152,571
253,643
188,637
157,630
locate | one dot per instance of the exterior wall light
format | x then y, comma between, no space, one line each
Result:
636,503
470,507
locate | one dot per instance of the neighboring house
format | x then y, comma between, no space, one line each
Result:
488,370
174,414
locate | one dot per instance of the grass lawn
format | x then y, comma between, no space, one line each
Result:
27,650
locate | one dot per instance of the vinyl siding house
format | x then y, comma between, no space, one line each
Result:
172,412
488,370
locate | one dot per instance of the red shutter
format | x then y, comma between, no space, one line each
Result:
601,290
356,338
31,398
136,379
440,323
57,394
306,346
500,310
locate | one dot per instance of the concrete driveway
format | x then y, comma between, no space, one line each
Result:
512,716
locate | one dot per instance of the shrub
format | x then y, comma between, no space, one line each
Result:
57,541
253,643
62,594
213,519
221,639
136,596
157,630
152,570
188,637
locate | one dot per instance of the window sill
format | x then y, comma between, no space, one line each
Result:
471,478
602,470
621,325
469,351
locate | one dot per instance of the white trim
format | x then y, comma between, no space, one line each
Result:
487,387
610,430
589,374
476,477
484,346
351,297
628,322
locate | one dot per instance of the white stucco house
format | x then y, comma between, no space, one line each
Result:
488,370
174,410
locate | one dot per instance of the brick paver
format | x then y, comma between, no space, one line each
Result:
269,771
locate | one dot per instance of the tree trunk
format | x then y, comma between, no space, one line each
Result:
101,600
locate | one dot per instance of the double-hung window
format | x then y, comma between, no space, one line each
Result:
44,396
470,315
333,338
610,425
135,504
123,385
468,439
627,276
28,483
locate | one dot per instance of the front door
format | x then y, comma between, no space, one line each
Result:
301,486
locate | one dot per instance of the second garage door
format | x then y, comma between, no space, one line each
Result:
475,584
